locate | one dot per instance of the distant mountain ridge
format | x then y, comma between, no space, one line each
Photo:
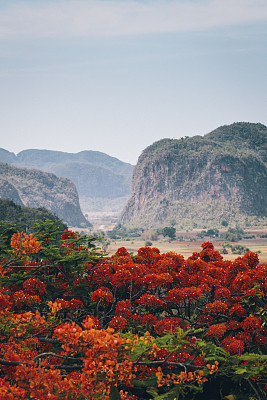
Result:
95,174
35,188
202,179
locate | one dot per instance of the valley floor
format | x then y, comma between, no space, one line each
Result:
187,247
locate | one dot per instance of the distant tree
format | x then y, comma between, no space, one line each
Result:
233,234
213,232
169,231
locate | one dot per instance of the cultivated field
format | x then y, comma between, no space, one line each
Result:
187,247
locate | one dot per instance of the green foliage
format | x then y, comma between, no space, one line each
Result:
169,231
120,231
114,393
148,243
209,233
233,234
224,223
23,217
6,231
239,249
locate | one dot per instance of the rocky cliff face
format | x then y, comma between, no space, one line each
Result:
223,173
34,188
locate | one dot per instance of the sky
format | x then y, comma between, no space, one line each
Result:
117,75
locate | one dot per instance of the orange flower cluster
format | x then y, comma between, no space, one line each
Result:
11,392
213,368
5,304
175,379
101,349
24,244
62,305
21,299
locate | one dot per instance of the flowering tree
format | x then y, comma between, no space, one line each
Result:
75,324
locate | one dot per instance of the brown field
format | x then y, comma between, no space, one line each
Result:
186,248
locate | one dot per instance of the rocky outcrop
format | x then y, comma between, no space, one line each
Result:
225,171
34,188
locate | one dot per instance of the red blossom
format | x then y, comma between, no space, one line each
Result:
149,319
151,301
217,307
170,325
34,286
123,309
251,324
103,295
237,310
252,259
233,346
68,234
216,331
118,323
222,293
122,252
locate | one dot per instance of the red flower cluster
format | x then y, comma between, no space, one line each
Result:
216,307
233,346
149,320
103,295
170,325
217,331
123,309
144,295
68,234
34,286
118,323
151,301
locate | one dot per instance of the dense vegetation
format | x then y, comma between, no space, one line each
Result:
75,324
22,217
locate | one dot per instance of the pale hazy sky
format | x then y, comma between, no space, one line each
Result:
117,75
